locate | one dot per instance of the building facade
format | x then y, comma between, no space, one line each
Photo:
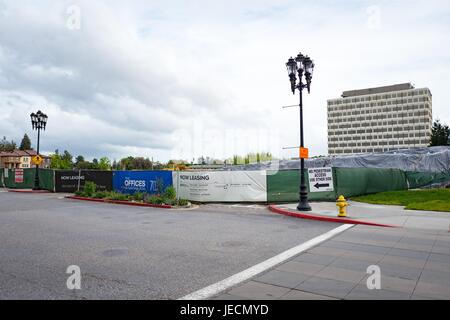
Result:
379,119
21,159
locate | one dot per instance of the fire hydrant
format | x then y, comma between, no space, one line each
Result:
341,203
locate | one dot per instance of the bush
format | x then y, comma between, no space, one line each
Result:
100,195
170,202
89,188
170,193
116,196
160,186
155,200
183,202
79,193
138,196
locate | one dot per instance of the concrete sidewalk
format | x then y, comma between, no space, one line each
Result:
381,214
414,264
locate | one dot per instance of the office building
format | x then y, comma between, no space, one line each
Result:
379,119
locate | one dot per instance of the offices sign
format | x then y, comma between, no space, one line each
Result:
151,182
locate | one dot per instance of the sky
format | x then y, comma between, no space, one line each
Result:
181,79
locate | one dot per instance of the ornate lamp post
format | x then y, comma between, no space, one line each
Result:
38,122
301,66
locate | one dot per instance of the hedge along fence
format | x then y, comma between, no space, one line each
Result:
46,179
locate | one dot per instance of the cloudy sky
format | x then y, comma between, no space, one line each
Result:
180,79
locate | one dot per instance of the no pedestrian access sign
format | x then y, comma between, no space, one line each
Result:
320,179
18,175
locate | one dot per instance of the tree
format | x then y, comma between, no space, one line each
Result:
7,146
439,134
58,162
79,159
104,164
25,144
66,156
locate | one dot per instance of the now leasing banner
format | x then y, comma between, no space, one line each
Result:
221,186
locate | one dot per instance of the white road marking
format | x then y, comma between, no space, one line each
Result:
227,283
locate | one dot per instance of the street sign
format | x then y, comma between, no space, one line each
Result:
37,159
18,175
303,153
320,179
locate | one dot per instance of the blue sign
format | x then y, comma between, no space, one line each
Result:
152,182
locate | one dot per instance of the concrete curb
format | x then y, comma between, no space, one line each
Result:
127,203
318,217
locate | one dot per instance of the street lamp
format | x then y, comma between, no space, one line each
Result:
301,66
38,122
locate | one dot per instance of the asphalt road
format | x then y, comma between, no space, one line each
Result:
130,252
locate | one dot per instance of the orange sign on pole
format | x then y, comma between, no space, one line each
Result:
303,153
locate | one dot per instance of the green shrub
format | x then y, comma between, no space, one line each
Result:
168,201
160,186
155,200
79,193
170,193
183,202
138,196
100,195
117,196
89,188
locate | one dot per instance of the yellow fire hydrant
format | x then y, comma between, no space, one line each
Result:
341,203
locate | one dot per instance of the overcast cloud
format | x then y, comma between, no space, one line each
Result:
180,79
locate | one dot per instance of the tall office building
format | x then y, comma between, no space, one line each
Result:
379,119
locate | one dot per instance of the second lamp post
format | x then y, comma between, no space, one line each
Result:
38,122
301,66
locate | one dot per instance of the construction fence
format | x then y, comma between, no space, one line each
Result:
323,183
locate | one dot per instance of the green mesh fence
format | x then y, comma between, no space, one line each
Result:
283,186
359,181
418,179
46,180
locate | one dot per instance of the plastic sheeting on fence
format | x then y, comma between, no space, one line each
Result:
423,179
214,186
359,181
46,179
283,186
151,182
73,180
431,159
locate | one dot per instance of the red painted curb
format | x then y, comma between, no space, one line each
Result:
127,203
28,191
325,218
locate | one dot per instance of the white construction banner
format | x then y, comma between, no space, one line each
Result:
221,186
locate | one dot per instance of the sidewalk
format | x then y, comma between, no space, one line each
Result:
414,264
380,214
